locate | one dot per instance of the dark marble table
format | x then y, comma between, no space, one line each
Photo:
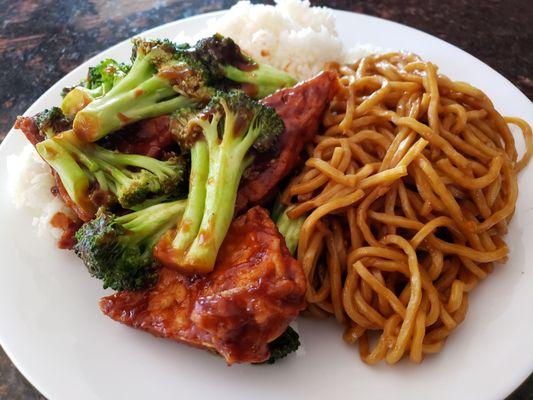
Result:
42,40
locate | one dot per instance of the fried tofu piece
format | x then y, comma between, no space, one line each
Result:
301,108
150,137
28,126
254,292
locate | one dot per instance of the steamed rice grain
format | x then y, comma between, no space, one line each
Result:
292,36
29,184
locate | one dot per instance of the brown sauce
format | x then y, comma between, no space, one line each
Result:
123,118
255,290
301,108
249,88
151,137
69,228
28,126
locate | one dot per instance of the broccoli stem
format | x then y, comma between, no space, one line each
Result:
161,170
119,250
131,178
230,126
289,228
192,217
75,100
118,108
141,70
222,184
120,179
265,78
140,94
152,222
95,159
73,178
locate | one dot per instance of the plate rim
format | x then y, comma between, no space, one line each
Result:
512,385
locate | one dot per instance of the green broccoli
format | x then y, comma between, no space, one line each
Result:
165,77
100,79
289,228
152,87
288,342
225,60
131,179
118,249
51,121
230,126
181,129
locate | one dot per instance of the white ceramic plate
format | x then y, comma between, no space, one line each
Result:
52,329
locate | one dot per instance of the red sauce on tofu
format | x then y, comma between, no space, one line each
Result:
150,137
165,253
249,88
69,228
301,108
85,211
28,126
254,292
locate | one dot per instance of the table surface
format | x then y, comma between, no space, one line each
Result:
42,40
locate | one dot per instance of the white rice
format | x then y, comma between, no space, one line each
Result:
29,184
292,36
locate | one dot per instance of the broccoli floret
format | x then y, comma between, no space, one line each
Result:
288,342
181,128
155,85
51,121
289,228
131,179
100,79
231,125
165,77
224,59
179,64
118,249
